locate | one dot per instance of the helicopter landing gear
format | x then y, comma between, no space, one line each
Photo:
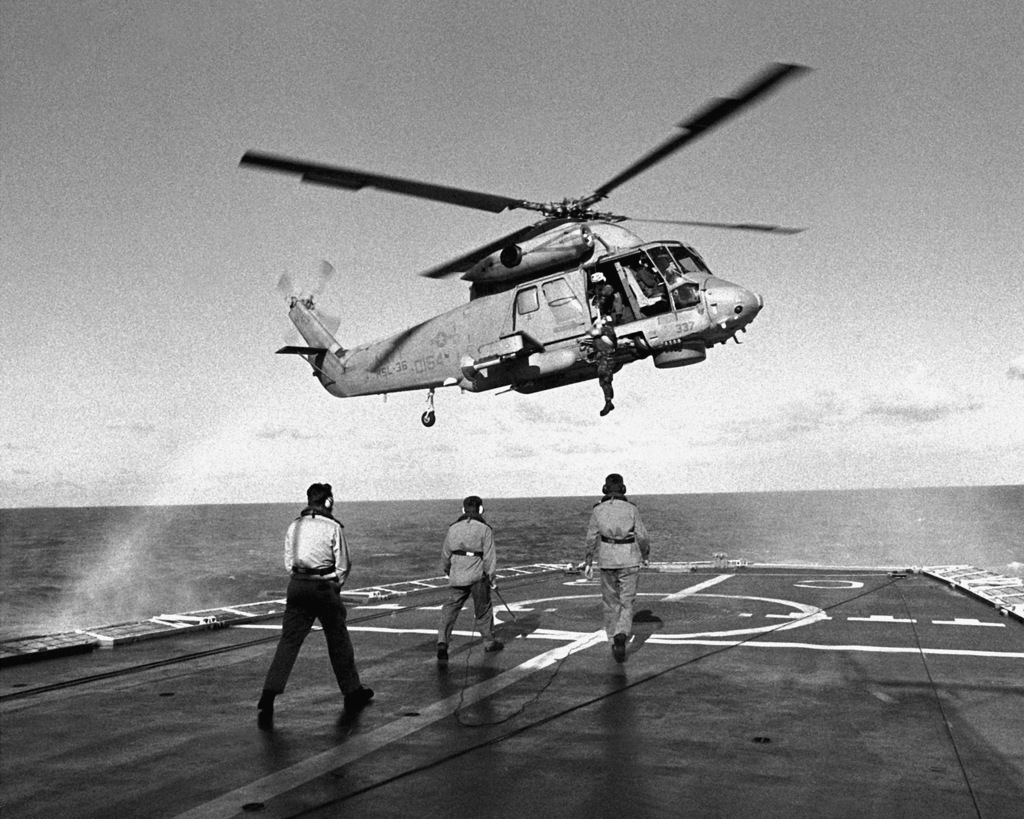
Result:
428,418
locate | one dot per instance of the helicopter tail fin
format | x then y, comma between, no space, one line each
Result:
316,329
291,350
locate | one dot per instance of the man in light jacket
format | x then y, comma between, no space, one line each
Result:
469,560
317,560
620,539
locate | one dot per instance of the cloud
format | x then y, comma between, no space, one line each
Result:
911,409
519,451
796,419
536,412
834,411
1016,369
277,432
10,446
138,428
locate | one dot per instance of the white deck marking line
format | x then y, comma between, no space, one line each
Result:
952,652
679,595
262,790
967,621
812,613
538,634
881,618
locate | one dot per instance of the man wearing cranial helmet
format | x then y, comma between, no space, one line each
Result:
618,536
469,560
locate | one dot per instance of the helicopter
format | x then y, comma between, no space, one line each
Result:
539,296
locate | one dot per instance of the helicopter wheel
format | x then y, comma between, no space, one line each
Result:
428,418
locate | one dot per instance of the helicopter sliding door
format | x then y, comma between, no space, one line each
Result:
549,311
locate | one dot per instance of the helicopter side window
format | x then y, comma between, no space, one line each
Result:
562,301
527,302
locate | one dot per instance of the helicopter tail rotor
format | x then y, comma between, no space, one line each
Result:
324,277
286,286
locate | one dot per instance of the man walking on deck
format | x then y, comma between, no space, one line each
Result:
469,560
316,556
620,539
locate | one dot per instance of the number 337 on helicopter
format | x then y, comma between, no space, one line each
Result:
541,298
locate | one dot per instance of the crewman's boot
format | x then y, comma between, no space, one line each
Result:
619,647
442,652
608,407
358,699
265,706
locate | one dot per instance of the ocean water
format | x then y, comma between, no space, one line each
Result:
78,567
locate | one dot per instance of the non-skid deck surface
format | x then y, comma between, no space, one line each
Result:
746,691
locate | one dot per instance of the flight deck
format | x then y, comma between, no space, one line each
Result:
775,690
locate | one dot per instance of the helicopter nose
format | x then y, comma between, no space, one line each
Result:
748,305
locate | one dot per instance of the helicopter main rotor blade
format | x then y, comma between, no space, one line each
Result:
354,180
713,114
754,226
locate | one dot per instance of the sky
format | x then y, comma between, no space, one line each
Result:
139,262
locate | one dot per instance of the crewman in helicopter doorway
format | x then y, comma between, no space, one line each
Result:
604,342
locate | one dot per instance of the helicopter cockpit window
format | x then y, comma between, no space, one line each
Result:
687,294
688,262
666,264
526,301
684,290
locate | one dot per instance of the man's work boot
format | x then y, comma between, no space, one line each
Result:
608,407
265,718
358,699
442,652
497,645
619,647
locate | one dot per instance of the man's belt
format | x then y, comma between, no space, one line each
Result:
316,572
628,539
464,553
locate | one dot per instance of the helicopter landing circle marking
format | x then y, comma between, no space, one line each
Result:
804,615
824,583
